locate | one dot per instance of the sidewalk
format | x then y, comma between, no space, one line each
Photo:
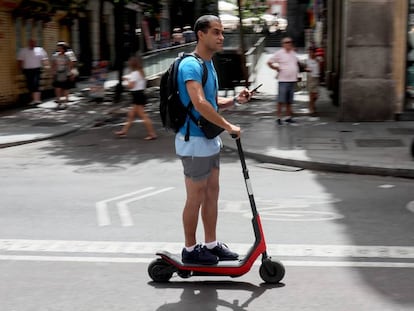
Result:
31,124
44,122
320,143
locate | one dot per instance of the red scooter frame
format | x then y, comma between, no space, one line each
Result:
271,271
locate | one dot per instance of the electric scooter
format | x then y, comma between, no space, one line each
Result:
271,271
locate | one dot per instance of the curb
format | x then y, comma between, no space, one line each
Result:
329,167
101,118
46,137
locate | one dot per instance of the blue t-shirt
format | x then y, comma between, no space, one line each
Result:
191,69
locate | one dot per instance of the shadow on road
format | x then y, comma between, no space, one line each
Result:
99,146
205,294
378,217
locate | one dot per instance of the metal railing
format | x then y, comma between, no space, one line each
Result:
156,62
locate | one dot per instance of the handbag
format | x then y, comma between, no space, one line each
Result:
210,130
302,67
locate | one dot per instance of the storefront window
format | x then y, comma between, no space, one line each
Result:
29,33
28,29
19,39
410,58
39,33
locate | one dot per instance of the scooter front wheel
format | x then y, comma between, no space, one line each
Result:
271,271
160,271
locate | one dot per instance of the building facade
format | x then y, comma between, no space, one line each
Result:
369,45
370,60
88,29
17,25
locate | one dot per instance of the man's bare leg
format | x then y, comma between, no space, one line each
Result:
210,206
195,196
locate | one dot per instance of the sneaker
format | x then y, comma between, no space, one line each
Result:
32,104
223,252
61,106
290,120
279,122
200,255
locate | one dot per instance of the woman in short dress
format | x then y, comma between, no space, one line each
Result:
61,67
136,83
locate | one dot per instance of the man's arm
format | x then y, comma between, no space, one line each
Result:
196,93
45,59
272,62
242,98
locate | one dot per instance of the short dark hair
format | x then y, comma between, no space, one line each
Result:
203,23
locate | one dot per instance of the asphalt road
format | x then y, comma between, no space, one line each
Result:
82,215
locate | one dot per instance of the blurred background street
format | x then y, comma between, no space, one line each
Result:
82,211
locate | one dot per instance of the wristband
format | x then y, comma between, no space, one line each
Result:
235,101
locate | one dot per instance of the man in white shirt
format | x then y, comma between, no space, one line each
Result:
30,60
285,62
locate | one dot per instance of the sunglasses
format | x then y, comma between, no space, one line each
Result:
287,42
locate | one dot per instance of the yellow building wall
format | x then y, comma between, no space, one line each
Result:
400,51
8,69
14,34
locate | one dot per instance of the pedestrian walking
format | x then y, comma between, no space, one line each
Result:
286,63
188,34
313,73
74,73
136,83
61,68
31,59
177,37
201,156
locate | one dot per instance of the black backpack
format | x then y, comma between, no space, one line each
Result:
173,112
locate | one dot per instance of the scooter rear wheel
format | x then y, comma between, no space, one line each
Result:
160,271
271,271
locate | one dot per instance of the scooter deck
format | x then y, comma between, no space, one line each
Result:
178,262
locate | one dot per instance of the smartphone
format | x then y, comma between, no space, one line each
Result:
256,88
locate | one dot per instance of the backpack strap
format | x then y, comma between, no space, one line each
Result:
190,106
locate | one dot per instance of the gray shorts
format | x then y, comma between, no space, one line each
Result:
199,168
286,92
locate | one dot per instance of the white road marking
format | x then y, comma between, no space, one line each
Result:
293,209
123,209
102,206
292,263
298,215
410,206
350,264
136,248
386,186
76,259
